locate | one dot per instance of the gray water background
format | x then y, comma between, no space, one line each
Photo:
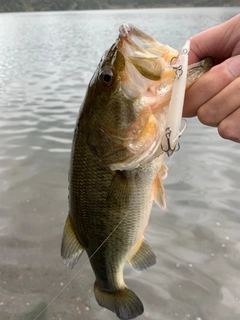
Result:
46,62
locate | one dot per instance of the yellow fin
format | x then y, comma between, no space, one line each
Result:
164,171
124,303
159,194
71,249
144,257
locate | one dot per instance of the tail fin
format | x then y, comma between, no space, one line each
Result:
124,303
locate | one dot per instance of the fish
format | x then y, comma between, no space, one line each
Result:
117,164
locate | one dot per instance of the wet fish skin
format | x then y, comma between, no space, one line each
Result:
117,167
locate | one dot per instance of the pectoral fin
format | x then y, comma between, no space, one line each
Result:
164,171
120,191
144,257
71,249
159,194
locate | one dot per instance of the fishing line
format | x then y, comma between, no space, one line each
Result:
170,158
51,302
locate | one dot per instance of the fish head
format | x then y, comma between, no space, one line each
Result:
128,72
128,97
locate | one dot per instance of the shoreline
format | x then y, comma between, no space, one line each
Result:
116,7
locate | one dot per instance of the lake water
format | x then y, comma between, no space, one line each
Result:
46,62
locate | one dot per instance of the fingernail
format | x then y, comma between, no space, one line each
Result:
234,66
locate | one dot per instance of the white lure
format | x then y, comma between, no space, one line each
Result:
174,117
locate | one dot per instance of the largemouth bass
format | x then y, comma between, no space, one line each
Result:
117,167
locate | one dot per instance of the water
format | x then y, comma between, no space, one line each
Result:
46,62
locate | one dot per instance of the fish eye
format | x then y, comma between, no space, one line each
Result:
106,78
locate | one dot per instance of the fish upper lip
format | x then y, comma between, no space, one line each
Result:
124,30
132,44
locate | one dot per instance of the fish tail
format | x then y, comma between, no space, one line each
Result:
124,303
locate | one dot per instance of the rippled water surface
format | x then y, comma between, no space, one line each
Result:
46,62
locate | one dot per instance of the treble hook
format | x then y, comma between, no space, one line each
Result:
169,149
177,68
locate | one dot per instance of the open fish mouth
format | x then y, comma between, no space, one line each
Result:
145,53
147,62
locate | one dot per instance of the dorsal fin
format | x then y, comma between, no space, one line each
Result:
71,249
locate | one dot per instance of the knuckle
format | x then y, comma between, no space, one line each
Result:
205,116
229,130
237,89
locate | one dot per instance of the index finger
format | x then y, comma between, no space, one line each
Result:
209,85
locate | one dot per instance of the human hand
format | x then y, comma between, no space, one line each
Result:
215,97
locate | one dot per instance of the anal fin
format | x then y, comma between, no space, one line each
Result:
71,249
144,257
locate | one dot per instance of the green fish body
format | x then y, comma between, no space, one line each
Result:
117,167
